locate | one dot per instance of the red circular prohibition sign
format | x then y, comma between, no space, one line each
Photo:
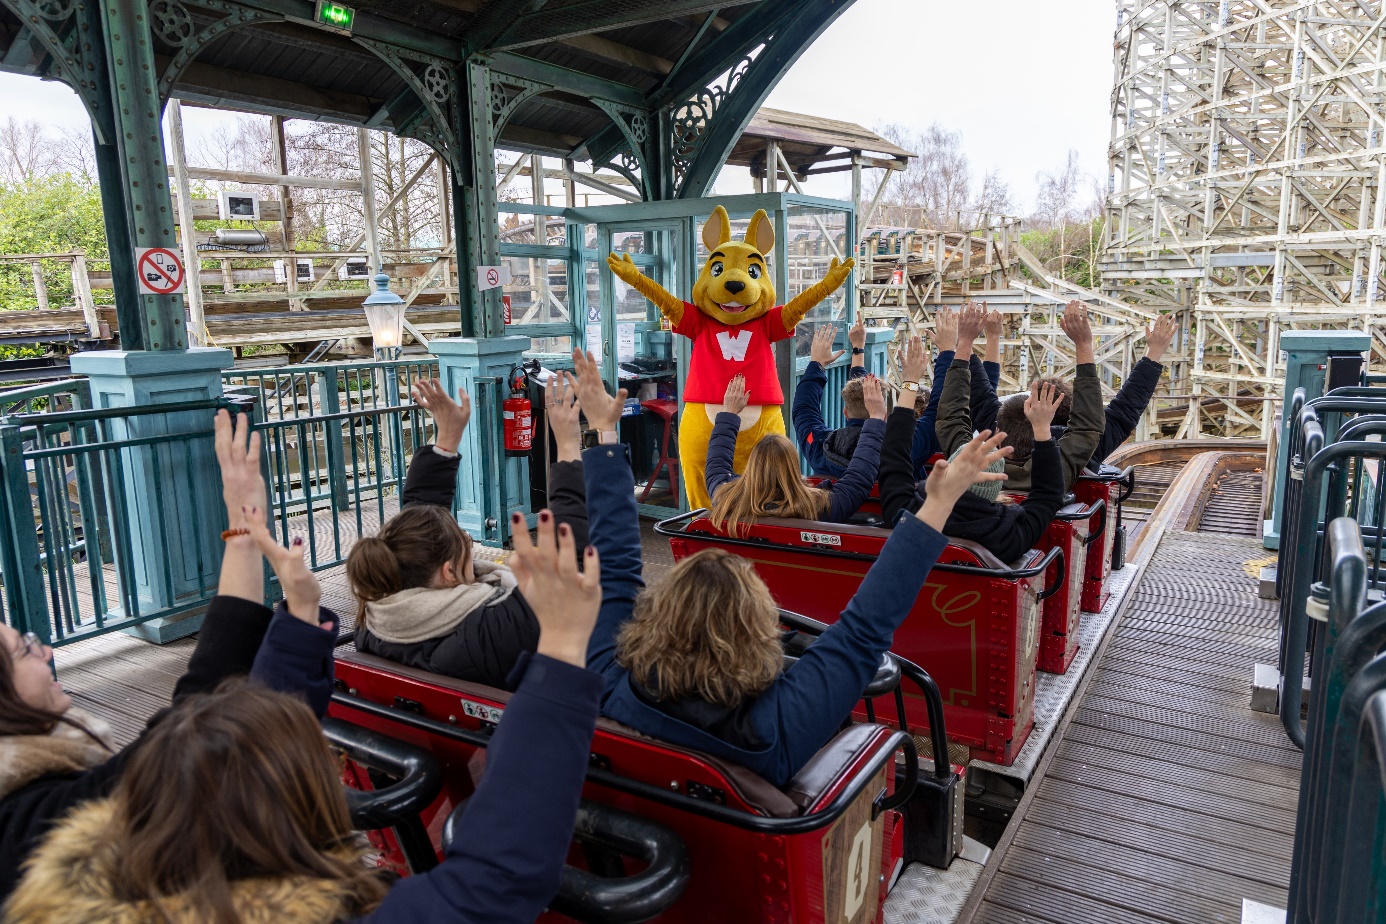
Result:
161,277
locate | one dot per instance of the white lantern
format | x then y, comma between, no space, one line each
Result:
385,314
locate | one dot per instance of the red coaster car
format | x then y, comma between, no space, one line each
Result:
667,833
1111,486
1073,530
974,627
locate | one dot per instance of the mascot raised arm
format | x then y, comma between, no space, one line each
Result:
732,321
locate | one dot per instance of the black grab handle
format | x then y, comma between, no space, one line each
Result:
1051,555
419,773
592,899
1099,507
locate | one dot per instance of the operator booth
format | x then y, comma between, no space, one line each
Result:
562,295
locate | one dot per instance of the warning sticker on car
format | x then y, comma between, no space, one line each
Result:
820,538
481,711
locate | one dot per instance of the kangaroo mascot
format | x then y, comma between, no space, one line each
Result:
732,321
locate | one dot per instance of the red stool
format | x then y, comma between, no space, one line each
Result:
667,410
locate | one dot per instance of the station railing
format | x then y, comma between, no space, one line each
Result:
74,563
1334,468
1338,868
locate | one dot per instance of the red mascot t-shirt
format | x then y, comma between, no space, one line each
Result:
721,351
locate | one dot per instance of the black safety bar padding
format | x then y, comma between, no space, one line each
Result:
419,775
801,824
683,520
1098,508
1061,575
1375,717
1368,423
918,676
592,899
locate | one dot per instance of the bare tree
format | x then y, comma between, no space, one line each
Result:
74,153
938,181
25,151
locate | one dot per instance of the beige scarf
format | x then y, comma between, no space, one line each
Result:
421,613
65,749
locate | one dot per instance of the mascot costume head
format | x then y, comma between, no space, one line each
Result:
733,322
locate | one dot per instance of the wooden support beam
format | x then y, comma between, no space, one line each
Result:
254,178
615,52
197,328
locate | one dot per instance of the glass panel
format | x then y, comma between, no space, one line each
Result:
551,344
518,228
816,236
589,237
538,290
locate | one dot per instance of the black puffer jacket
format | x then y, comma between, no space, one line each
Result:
226,645
484,646
1005,530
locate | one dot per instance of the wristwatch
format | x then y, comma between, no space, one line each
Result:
909,386
858,351
608,437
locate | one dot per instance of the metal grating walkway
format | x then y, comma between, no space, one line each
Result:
1168,800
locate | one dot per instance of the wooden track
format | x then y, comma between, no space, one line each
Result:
1166,800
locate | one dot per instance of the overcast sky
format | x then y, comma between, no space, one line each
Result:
1023,81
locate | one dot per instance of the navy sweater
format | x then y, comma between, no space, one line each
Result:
925,444
806,705
517,827
810,430
844,496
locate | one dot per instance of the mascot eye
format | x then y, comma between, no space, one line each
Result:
753,271
716,269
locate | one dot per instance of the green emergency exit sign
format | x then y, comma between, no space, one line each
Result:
335,16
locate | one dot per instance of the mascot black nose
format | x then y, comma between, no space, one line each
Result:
734,287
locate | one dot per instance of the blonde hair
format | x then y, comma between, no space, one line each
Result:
854,399
771,487
709,629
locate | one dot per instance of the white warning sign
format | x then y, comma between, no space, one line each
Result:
160,270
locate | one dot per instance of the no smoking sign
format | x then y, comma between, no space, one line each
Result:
160,270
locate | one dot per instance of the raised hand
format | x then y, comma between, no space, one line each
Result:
603,410
948,480
946,329
971,320
238,454
736,397
914,360
623,268
564,600
838,272
1040,406
822,351
856,335
873,396
1159,335
449,416
1076,325
302,592
994,325
564,414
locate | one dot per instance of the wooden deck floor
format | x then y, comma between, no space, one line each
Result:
1167,800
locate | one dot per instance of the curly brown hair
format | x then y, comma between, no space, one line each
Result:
709,629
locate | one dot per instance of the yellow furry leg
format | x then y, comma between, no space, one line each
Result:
695,429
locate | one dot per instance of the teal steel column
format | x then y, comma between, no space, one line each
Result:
478,231
133,79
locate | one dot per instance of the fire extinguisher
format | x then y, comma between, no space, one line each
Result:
517,417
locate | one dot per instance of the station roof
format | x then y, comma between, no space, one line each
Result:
640,52
813,145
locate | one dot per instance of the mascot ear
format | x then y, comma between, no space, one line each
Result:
761,233
717,229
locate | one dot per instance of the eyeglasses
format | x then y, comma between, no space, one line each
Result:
29,644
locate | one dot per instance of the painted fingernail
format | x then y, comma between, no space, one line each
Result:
564,530
516,518
298,541
591,550
544,516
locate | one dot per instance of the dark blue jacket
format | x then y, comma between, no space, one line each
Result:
844,496
518,825
810,430
925,444
1125,409
806,705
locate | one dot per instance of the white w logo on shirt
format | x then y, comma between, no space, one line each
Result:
734,347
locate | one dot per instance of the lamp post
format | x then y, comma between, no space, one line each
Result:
385,315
